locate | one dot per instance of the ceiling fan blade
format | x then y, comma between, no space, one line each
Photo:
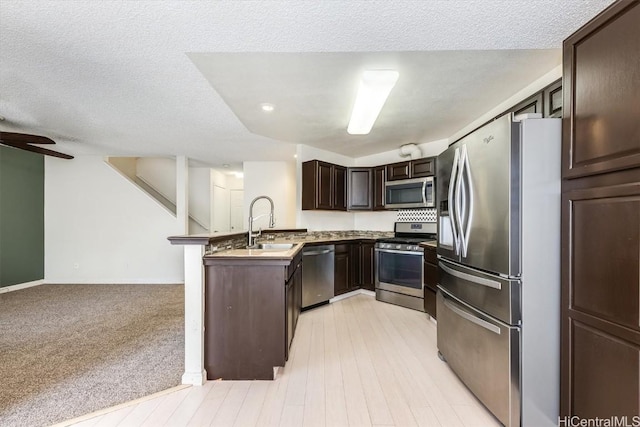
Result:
25,138
34,149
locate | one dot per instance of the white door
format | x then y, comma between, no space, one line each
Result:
220,210
237,199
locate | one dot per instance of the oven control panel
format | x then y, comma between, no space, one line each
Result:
399,247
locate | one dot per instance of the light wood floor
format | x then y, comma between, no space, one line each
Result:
356,362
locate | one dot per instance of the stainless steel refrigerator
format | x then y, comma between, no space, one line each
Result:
498,300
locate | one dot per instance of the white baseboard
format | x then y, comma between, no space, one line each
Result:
19,286
353,294
115,282
194,378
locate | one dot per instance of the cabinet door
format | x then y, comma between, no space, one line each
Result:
359,185
342,272
354,261
339,188
289,306
553,100
600,129
324,186
529,105
601,300
367,266
297,289
430,287
397,171
423,167
317,185
379,174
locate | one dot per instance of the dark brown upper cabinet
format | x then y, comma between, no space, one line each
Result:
552,96
379,179
601,79
411,169
532,104
339,188
423,167
360,189
323,186
400,170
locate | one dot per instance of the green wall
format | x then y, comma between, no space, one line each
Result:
21,216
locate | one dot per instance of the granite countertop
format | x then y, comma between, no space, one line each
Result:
260,253
298,241
430,243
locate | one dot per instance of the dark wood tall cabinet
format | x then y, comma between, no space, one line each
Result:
600,369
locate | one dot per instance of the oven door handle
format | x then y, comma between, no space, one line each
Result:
471,318
394,251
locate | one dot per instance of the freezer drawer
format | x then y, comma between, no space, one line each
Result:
488,293
484,353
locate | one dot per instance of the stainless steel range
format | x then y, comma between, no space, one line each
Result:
399,262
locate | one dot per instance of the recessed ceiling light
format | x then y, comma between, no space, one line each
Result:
267,108
225,165
295,156
373,91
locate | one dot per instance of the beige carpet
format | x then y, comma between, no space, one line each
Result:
67,350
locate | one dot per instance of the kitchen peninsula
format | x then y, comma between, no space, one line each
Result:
247,340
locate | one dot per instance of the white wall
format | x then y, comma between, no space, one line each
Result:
521,95
199,195
276,180
160,173
100,228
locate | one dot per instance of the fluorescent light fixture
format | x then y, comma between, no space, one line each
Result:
374,89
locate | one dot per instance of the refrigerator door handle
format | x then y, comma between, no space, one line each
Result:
471,278
471,318
452,201
458,199
465,170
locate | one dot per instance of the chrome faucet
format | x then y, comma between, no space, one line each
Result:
251,219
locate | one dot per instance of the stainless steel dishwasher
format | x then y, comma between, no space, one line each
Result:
317,274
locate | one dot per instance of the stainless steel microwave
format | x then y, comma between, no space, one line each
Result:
410,193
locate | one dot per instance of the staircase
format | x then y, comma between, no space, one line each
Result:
128,168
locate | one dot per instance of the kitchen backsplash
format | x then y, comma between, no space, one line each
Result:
417,215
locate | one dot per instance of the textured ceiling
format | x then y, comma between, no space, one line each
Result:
146,77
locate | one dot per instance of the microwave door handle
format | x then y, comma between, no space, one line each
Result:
424,192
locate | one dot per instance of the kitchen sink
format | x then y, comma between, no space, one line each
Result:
275,246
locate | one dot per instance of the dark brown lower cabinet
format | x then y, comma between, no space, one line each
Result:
430,280
251,310
354,267
601,294
293,305
367,265
342,267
